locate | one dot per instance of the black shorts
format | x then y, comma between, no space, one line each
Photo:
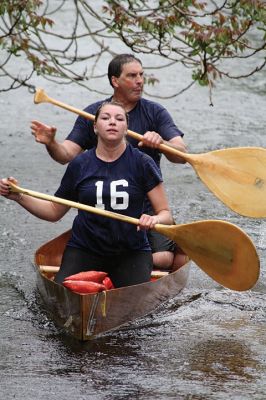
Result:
160,242
125,269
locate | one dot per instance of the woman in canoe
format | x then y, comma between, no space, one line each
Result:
113,176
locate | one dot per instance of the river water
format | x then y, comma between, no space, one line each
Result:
207,343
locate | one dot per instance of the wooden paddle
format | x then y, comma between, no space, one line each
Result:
237,176
219,248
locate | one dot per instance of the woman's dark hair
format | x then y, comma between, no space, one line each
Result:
115,66
114,103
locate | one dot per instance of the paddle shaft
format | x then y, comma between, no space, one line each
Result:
42,97
73,204
210,160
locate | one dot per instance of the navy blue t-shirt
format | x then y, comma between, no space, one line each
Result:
145,116
119,186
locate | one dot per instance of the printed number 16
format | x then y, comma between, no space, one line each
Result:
114,194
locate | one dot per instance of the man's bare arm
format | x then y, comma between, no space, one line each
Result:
179,144
60,152
63,152
153,139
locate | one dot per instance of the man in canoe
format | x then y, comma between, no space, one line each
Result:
125,74
112,176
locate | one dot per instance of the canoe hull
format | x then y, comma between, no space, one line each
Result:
87,316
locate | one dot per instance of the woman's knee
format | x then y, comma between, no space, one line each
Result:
163,259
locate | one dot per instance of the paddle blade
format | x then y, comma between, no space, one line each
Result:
237,176
220,249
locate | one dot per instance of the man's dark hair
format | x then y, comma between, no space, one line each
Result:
115,66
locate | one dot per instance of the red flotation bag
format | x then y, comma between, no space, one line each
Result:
108,283
88,282
93,276
84,287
